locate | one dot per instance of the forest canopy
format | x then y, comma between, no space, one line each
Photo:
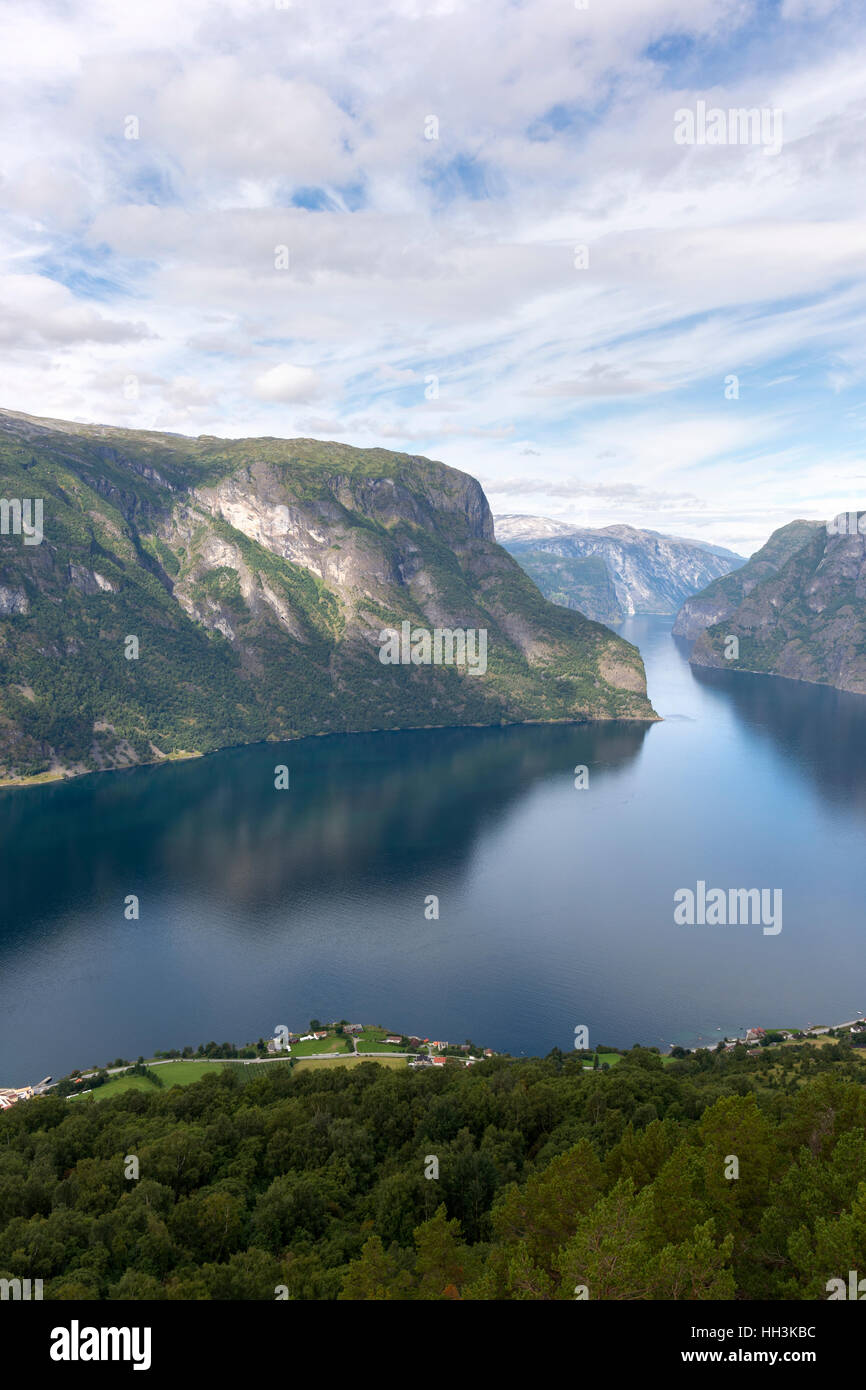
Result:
554,1182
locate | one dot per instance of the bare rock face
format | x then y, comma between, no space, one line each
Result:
193,593
804,617
13,601
88,580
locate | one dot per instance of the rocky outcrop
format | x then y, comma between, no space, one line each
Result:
89,581
13,601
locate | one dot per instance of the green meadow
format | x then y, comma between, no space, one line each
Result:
180,1073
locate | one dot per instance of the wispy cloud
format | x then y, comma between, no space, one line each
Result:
333,221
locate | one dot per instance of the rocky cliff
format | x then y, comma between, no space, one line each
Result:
192,593
722,597
806,617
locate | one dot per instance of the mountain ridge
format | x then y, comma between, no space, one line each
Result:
721,597
801,612
257,577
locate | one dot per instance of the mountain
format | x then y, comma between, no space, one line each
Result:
806,617
255,576
612,573
519,527
721,598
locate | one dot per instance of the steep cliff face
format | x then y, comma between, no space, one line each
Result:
193,593
721,598
805,620
615,572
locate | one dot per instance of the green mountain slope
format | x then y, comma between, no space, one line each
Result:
805,620
720,599
256,576
583,582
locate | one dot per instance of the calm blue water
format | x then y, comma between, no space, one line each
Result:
261,907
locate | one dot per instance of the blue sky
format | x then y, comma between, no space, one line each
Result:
360,223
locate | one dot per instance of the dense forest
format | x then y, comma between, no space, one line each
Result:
554,1182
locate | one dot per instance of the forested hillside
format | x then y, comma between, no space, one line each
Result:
551,1179
187,594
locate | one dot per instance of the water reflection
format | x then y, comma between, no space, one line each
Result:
358,807
821,730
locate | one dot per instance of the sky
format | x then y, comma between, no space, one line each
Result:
479,230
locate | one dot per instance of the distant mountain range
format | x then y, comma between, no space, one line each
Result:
612,573
797,608
186,594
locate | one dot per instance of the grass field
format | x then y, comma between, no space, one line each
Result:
352,1062
114,1088
332,1044
181,1073
371,1040
610,1057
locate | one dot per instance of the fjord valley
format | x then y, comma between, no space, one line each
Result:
186,594
260,905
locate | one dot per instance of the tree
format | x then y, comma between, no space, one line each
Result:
375,1275
441,1258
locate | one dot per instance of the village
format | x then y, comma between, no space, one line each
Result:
346,1044
337,1043
367,1040
10,1095
755,1039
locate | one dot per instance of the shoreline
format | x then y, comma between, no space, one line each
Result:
43,779
57,775
350,1043
807,1032
812,1033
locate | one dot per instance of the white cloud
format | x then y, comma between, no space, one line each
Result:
287,382
37,312
155,256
